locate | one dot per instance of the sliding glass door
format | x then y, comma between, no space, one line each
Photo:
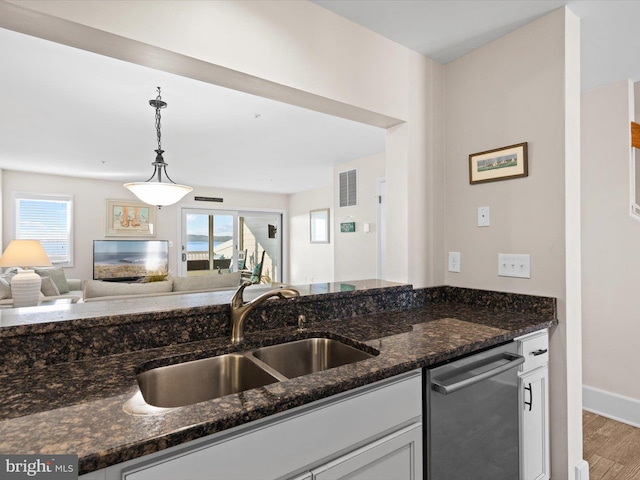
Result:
221,241
207,241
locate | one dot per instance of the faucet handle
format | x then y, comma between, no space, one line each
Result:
301,321
237,300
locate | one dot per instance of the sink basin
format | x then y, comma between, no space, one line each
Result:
200,380
195,381
301,357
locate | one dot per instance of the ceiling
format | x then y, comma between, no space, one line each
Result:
447,29
70,112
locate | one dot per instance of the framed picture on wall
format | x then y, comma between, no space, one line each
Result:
499,164
319,225
130,218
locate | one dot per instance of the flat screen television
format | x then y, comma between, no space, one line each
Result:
129,260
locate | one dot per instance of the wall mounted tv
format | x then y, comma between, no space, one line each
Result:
129,260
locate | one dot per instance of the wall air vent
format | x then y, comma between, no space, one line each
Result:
348,188
208,199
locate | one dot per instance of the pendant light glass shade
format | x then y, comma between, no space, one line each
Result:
158,193
155,191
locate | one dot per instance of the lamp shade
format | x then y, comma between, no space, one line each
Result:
25,253
158,193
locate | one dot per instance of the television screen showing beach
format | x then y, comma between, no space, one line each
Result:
127,259
504,161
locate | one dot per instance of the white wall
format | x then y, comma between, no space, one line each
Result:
610,240
283,50
310,262
510,91
356,254
348,256
90,210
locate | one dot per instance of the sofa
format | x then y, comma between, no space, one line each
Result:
55,286
94,290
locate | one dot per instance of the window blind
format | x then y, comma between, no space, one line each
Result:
47,220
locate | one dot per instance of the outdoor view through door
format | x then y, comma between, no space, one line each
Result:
219,242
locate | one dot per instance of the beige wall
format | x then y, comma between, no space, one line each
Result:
510,91
90,210
356,254
310,262
610,239
636,106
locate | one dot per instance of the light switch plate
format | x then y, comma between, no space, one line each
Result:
454,262
514,265
483,216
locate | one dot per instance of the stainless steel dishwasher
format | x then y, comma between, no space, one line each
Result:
471,412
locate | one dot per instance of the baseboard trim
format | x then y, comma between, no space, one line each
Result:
582,470
611,405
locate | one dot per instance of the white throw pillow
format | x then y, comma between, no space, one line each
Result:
5,286
58,276
48,287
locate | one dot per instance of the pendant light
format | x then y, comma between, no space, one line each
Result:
155,191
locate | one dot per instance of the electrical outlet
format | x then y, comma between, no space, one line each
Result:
483,216
514,265
454,262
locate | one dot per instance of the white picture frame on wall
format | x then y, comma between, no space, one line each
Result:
130,218
319,228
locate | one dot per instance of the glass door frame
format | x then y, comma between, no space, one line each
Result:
182,261
236,213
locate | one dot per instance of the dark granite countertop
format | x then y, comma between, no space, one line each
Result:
77,407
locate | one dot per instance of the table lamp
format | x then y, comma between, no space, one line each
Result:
25,285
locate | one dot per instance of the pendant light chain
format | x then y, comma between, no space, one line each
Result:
158,105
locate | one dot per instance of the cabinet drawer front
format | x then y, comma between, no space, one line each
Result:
274,449
535,350
396,456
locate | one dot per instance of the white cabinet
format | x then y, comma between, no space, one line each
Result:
534,415
372,430
395,456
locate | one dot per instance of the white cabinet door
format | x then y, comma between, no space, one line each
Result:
535,424
396,456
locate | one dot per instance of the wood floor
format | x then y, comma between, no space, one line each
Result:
611,448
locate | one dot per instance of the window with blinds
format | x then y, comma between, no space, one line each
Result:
47,218
348,188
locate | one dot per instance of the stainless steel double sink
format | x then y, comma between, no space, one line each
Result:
208,378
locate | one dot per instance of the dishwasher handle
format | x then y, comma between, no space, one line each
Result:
446,389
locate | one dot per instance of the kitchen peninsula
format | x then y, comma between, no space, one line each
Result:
66,375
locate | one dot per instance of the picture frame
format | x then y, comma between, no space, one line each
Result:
130,218
319,228
502,163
